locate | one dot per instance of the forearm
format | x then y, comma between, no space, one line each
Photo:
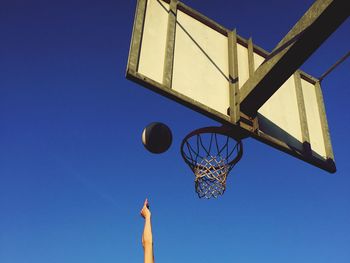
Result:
147,237
147,241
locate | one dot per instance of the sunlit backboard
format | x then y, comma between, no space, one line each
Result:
185,56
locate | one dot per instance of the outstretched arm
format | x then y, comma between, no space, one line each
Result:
147,239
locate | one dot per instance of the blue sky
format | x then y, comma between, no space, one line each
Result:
74,174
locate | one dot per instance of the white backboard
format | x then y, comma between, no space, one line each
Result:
185,56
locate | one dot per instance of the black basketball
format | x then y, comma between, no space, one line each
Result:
157,137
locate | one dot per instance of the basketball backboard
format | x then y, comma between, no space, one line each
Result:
187,57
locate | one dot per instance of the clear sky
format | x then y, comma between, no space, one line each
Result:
74,174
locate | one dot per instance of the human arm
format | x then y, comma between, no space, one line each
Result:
147,238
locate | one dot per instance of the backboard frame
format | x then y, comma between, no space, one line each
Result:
238,121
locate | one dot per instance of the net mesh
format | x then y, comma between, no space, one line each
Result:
211,156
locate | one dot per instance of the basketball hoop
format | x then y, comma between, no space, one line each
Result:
211,153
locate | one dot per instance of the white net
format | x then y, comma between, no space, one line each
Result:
211,156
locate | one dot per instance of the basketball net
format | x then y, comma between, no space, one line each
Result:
211,153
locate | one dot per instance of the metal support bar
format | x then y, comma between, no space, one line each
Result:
233,76
251,57
136,39
170,45
334,66
302,114
324,123
316,25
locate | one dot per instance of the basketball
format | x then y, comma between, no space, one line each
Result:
157,137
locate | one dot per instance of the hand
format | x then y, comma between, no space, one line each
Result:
145,212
